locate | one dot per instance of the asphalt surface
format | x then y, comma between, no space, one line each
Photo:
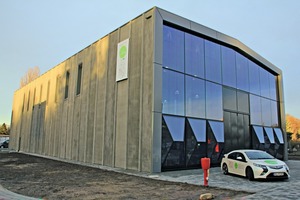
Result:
288,189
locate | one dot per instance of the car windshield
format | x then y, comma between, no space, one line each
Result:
256,155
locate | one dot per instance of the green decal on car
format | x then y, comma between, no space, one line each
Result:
271,162
236,165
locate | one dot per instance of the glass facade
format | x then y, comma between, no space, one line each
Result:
203,82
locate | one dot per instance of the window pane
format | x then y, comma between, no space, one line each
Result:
264,83
173,48
229,99
199,129
173,92
274,113
242,71
195,97
79,74
270,134
194,55
255,110
279,135
243,102
254,78
259,133
214,107
218,130
212,61
273,88
176,127
266,112
228,67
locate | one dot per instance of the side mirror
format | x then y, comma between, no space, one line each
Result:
239,158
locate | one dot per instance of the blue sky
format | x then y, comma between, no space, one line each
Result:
45,33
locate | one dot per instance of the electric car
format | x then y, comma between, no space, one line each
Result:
254,164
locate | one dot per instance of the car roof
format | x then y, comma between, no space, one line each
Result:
245,150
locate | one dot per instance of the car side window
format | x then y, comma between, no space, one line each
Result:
232,156
240,157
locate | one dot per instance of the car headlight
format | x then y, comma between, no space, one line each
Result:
264,167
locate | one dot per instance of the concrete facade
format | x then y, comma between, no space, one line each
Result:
116,124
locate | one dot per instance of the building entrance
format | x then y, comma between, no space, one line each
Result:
237,131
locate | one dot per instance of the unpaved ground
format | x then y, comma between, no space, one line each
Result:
49,179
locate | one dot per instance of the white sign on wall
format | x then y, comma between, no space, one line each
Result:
122,60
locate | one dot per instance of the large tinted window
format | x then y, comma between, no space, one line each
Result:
214,106
243,102
173,92
273,88
176,127
199,129
212,61
194,55
218,130
254,78
195,97
228,67
266,112
229,99
242,71
173,49
255,110
264,83
274,113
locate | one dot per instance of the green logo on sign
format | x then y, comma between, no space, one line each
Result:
123,52
271,162
236,165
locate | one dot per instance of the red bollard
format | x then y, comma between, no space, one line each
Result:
205,164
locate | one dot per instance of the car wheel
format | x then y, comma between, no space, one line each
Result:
249,174
225,169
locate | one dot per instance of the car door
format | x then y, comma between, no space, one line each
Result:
231,160
240,164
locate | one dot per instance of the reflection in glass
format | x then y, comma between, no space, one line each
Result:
254,78
279,135
176,127
229,99
194,55
264,83
214,105
243,102
173,93
242,71
273,90
266,112
195,97
259,133
173,48
228,67
270,134
199,129
255,110
212,61
274,113
218,130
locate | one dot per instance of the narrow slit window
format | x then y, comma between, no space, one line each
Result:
67,85
78,89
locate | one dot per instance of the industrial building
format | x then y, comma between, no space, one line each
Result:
156,94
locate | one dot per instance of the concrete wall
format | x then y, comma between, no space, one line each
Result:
108,123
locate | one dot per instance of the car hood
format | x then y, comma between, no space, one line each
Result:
268,162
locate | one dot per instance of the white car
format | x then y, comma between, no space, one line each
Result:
254,164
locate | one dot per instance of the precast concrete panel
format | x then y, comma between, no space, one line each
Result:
110,101
100,64
134,74
147,93
122,108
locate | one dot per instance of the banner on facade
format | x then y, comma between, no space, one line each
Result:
122,60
